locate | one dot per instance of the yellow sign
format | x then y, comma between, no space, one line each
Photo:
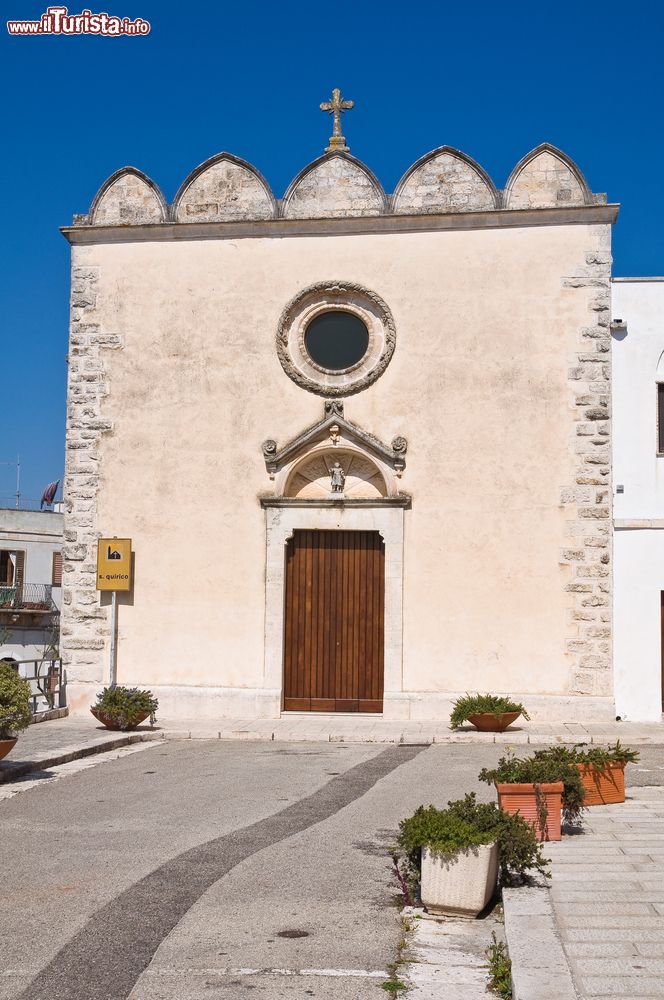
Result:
114,564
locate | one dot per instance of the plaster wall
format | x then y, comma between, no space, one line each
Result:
488,324
639,581
639,511
638,364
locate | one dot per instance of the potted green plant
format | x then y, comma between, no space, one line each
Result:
15,714
490,713
124,708
602,769
456,853
538,788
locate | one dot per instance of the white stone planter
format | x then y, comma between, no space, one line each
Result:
459,884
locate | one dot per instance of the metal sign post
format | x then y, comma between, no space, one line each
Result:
114,574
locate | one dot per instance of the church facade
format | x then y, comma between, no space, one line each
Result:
361,442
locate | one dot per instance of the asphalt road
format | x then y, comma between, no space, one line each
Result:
215,870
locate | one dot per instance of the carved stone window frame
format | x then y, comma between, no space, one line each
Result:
327,296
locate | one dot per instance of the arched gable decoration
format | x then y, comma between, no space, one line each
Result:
128,198
444,180
302,469
335,185
546,178
224,189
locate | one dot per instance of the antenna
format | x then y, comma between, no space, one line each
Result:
17,494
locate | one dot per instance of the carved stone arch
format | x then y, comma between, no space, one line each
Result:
546,178
444,180
224,189
309,477
335,185
128,198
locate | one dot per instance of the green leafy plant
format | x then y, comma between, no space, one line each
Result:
601,757
467,823
479,704
539,771
15,694
125,706
500,968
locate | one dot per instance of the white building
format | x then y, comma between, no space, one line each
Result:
30,580
638,462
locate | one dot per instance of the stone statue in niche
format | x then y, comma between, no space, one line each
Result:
337,478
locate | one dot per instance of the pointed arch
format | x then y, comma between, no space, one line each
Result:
444,180
546,178
224,188
128,198
335,185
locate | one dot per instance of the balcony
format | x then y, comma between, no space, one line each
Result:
25,599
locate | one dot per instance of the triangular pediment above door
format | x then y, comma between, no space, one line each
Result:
302,467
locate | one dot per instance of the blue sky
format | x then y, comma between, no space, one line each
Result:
491,79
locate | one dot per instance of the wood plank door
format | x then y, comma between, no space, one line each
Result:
334,622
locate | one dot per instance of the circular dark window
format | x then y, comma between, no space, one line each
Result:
336,340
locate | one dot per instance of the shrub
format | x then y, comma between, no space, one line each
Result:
476,704
538,771
599,756
125,706
500,968
465,824
15,693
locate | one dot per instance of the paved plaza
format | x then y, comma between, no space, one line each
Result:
177,868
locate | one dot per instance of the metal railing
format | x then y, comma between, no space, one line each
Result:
47,682
27,597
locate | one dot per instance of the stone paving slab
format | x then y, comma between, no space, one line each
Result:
364,729
446,956
540,969
607,897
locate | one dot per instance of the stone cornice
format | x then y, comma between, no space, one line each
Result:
402,500
496,219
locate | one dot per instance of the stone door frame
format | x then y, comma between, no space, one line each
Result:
282,519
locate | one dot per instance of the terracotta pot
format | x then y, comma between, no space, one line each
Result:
6,746
489,722
110,723
459,884
603,786
522,799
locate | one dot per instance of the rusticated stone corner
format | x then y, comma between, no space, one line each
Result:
587,499
83,621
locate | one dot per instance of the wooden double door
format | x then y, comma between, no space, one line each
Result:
334,622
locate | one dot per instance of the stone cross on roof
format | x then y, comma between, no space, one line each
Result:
335,107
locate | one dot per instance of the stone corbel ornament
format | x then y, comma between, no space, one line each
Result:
399,447
269,454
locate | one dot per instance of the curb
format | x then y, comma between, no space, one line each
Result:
540,970
10,771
